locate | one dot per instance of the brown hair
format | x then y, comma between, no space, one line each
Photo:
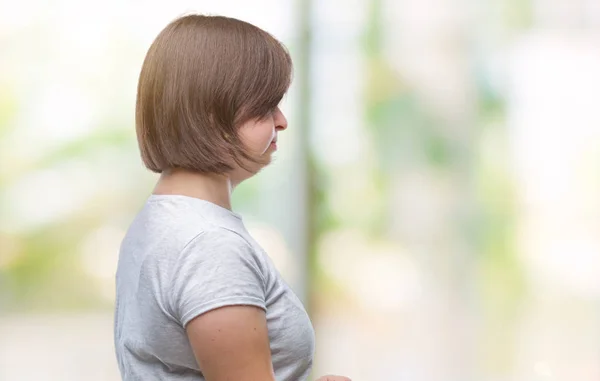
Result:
202,77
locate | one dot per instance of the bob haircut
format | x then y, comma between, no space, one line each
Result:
203,77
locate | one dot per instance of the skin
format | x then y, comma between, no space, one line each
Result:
231,343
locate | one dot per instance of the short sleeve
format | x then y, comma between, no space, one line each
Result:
216,269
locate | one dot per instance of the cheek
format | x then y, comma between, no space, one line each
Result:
264,143
258,139
257,135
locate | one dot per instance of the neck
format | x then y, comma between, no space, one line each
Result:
206,186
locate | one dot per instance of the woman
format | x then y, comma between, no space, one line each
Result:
197,298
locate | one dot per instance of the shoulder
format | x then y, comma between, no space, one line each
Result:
216,268
217,238
222,248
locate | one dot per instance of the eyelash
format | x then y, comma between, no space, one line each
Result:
271,112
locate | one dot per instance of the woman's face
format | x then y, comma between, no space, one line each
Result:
260,136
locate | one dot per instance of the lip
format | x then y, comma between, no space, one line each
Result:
274,145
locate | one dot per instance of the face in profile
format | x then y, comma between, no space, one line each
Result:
260,136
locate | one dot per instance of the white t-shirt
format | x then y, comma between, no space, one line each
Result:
182,257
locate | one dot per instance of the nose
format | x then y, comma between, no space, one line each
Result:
280,120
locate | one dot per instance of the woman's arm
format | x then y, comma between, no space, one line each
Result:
232,344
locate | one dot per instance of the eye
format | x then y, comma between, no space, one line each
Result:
274,110
269,114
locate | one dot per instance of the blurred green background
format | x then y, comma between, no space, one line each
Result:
434,201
